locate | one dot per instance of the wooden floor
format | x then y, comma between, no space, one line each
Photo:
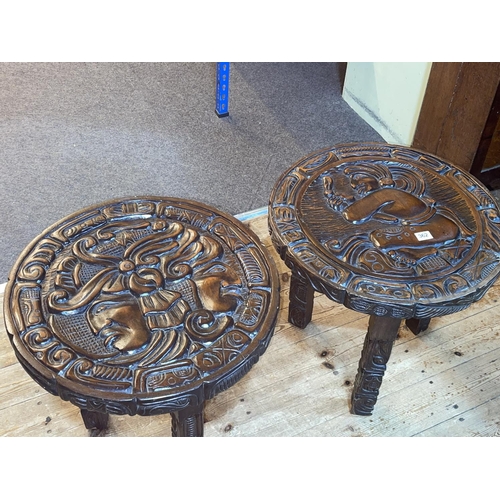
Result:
445,382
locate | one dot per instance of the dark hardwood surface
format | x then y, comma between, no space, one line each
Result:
441,383
386,230
142,306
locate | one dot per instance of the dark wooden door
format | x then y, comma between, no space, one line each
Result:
459,114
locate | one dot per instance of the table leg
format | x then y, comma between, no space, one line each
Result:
382,332
301,301
95,421
188,422
418,325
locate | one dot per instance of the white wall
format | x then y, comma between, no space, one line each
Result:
388,96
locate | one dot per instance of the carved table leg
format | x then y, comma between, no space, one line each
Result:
301,301
382,332
95,421
418,325
188,422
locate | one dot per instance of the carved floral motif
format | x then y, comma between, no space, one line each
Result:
141,297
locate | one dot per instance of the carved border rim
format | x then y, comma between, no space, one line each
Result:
144,403
311,165
306,183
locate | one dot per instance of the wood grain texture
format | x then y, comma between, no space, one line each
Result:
443,382
434,111
455,110
142,306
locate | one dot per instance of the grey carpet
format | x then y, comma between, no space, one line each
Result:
75,134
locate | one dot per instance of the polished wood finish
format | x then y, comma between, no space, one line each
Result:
95,421
456,106
142,306
382,332
442,383
303,293
188,422
418,325
385,230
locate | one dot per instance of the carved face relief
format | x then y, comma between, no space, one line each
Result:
399,225
373,224
141,283
141,296
218,287
119,322
364,183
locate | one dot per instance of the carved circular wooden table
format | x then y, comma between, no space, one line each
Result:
142,306
385,230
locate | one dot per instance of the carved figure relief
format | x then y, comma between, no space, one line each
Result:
124,290
387,230
407,230
143,296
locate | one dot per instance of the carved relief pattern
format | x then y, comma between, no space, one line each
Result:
301,296
372,366
141,297
375,223
188,425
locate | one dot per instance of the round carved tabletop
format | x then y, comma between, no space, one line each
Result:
387,230
142,305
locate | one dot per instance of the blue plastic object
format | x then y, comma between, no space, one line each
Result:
222,90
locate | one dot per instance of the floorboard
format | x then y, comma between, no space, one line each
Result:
444,382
